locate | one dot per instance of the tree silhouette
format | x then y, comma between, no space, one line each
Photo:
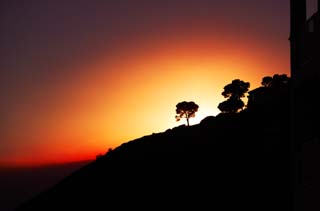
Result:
234,92
186,110
231,105
279,81
276,81
273,93
266,81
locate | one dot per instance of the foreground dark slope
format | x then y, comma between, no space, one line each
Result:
238,161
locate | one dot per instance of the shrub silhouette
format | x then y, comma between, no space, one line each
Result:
279,81
234,92
276,81
266,81
186,110
273,93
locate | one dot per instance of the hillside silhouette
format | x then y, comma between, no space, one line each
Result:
229,161
241,159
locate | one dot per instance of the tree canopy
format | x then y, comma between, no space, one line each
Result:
273,93
186,110
231,105
276,81
237,88
234,92
266,81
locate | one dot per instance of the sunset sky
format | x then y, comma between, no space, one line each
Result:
78,77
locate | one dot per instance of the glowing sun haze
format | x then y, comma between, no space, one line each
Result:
122,79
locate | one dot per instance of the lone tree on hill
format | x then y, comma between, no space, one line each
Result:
186,110
234,92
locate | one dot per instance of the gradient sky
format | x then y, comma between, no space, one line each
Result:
78,77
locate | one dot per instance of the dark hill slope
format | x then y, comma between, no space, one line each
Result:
228,162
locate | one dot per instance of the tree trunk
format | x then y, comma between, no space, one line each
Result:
188,121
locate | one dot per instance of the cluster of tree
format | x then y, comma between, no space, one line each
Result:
277,81
234,92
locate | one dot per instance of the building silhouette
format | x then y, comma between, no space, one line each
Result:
304,41
305,116
305,70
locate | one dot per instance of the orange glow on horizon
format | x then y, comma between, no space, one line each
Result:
134,93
